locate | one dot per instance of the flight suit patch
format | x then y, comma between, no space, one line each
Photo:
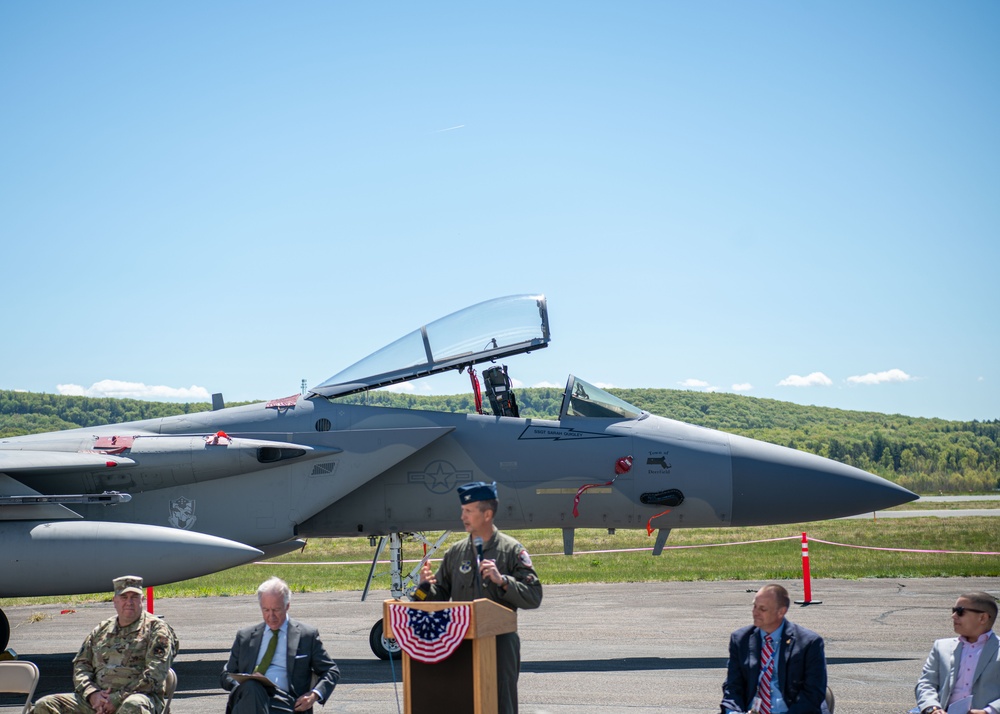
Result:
466,567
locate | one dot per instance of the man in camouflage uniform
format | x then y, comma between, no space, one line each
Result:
122,665
505,575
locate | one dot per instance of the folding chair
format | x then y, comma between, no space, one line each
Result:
168,690
19,677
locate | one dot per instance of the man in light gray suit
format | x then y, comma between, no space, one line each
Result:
967,667
274,661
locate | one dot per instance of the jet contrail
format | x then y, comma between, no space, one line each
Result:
450,128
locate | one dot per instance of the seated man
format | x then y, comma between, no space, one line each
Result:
281,655
122,665
966,667
775,666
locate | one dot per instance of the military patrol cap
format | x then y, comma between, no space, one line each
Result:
477,491
128,584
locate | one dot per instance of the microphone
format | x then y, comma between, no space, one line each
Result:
478,543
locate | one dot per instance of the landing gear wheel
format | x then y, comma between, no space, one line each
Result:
4,631
382,647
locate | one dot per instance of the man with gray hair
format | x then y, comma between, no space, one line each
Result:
271,664
964,671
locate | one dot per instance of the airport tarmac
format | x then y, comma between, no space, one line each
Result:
635,648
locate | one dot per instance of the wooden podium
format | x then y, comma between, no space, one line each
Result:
467,680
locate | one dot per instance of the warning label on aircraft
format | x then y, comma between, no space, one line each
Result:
558,433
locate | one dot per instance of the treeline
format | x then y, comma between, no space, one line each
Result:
924,455
31,413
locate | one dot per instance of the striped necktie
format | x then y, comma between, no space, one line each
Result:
269,654
767,669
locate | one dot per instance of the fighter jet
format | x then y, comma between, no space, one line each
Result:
174,498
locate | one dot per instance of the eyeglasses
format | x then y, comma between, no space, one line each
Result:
962,610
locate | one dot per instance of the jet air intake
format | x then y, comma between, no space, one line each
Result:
272,454
182,459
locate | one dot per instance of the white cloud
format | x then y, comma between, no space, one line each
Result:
816,379
892,375
135,390
744,387
604,385
408,388
547,385
699,384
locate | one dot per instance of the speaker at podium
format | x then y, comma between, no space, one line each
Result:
449,652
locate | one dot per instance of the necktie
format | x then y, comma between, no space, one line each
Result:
767,667
269,654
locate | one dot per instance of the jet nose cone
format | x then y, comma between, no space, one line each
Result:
775,484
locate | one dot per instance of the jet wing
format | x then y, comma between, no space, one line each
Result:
23,461
29,512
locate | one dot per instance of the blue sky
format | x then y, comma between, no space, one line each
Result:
796,201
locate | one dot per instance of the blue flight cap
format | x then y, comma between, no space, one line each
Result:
477,491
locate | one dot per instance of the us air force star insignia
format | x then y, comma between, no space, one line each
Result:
439,476
465,567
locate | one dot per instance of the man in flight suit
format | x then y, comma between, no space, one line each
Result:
502,572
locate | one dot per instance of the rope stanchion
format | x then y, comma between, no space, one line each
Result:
149,600
806,578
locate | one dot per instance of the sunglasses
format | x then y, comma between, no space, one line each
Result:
962,610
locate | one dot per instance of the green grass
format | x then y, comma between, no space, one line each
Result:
947,505
756,561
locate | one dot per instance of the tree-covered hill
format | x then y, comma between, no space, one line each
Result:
924,455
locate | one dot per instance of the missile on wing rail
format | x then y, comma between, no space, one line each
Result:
85,556
108,498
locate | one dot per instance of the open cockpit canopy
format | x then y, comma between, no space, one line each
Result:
481,333
583,399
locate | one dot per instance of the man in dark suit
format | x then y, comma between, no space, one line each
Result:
966,668
775,666
281,655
